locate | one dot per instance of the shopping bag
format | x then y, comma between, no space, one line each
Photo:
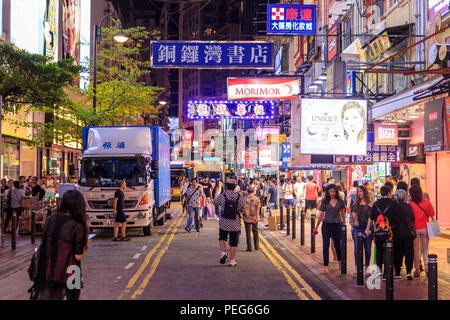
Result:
433,229
208,207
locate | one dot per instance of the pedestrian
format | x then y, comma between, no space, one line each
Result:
217,190
119,213
14,205
207,187
417,181
230,221
404,235
4,186
36,190
360,210
251,213
332,212
23,187
311,196
423,212
64,244
194,195
184,187
300,191
272,197
288,192
352,195
386,208
50,192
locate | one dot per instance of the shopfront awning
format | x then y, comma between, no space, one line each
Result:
401,100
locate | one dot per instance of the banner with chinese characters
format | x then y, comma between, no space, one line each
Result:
286,155
215,109
296,19
207,54
376,153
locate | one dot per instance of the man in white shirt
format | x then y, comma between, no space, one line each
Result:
288,193
300,192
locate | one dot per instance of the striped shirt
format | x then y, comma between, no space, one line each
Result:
229,224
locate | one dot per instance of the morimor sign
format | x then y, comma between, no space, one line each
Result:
263,88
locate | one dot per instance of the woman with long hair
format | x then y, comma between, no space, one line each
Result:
361,209
423,212
64,244
332,212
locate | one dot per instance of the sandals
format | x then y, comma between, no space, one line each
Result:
125,239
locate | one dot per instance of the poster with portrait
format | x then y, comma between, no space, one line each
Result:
51,29
334,126
71,22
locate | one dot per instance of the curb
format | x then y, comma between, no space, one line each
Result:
324,282
16,264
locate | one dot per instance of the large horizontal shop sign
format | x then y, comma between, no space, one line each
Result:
377,153
216,109
296,19
208,54
262,88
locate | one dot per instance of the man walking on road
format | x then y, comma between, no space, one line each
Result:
194,195
229,221
119,213
251,210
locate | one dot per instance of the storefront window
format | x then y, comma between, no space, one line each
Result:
10,160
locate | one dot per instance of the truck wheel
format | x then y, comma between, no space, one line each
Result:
147,230
162,220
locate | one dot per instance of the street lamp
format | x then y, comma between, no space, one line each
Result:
162,102
120,37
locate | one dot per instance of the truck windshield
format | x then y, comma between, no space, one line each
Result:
106,172
175,178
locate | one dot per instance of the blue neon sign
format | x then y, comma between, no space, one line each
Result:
296,19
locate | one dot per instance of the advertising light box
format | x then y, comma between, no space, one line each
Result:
262,88
334,126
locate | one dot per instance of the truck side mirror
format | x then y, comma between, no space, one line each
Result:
155,165
154,175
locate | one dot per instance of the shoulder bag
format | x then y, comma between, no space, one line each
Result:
186,202
433,228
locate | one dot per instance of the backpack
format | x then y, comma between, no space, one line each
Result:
382,230
230,209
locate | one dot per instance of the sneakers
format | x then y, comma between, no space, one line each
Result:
116,239
232,263
409,276
223,259
187,229
397,276
125,239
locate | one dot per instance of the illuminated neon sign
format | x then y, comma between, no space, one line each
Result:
218,109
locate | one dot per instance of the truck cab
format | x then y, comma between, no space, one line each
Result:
113,154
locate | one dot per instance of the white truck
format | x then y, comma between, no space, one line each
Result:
139,155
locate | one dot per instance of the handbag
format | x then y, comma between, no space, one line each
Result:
433,228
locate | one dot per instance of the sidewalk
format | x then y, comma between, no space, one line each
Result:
403,289
13,260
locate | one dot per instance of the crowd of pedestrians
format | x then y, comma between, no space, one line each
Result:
12,193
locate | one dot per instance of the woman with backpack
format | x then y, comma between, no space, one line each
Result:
382,215
360,210
64,244
423,212
332,212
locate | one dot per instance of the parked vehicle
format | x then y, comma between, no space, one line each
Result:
139,155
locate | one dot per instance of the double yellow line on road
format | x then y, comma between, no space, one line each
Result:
273,255
131,283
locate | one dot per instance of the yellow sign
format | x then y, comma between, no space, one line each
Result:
276,138
377,47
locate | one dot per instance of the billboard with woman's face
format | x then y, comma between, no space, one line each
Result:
334,126
71,29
